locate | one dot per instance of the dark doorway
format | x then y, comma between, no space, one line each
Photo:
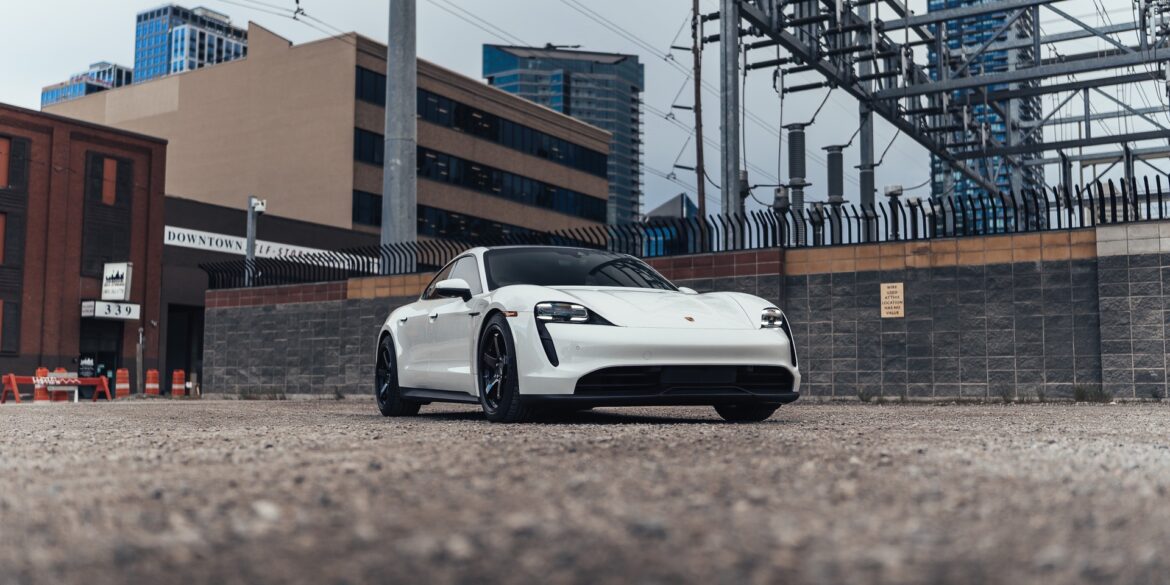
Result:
184,341
102,341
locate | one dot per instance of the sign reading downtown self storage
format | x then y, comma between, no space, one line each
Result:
213,242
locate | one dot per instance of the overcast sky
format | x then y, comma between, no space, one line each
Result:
45,41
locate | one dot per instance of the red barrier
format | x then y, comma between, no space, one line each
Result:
59,396
12,384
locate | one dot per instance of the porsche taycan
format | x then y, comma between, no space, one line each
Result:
521,328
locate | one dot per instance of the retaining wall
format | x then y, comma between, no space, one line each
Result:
1019,315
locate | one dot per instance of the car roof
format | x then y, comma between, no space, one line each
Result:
479,250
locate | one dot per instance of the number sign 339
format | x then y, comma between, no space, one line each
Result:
107,310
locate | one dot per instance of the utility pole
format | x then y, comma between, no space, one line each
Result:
138,360
865,112
399,177
729,103
697,81
255,208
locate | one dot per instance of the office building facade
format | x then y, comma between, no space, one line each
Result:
173,39
986,123
100,77
489,162
602,89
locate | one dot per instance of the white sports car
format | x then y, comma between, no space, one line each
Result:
517,328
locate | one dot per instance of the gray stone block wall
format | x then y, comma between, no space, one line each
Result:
1018,329
1134,324
323,347
1134,277
984,331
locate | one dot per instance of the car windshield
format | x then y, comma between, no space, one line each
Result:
569,267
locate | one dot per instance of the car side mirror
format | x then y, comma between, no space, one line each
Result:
453,288
687,290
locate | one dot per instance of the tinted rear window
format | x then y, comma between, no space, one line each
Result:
569,267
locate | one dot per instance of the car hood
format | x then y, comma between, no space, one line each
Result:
636,307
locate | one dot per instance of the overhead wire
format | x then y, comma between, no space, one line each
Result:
613,27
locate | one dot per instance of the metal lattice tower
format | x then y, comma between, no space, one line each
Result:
992,103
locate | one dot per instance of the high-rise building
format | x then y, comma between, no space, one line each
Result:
172,39
983,123
603,89
100,77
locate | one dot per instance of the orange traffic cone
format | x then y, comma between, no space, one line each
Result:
121,383
40,391
152,382
178,384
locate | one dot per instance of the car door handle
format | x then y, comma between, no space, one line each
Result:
433,316
402,320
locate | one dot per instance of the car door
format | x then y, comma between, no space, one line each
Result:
416,336
452,323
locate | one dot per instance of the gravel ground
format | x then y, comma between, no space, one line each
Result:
330,492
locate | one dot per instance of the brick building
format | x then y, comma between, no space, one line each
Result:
73,197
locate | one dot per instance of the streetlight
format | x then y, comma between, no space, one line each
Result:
256,207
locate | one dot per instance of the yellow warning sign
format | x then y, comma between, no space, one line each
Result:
893,301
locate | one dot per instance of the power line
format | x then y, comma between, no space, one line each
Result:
477,20
708,87
477,24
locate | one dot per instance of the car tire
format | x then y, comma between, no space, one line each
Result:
386,389
497,382
745,413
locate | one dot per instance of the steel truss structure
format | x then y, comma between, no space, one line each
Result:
877,51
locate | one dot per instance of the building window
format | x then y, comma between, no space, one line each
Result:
106,221
5,154
9,327
109,181
368,147
448,113
371,87
3,235
367,208
441,223
445,168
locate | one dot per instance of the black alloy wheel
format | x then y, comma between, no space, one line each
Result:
386,389
499,389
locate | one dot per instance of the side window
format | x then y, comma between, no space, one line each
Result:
466,269
5,149
444,274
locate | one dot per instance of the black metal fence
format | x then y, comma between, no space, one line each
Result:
899,219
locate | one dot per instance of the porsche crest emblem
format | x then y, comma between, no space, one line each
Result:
689,318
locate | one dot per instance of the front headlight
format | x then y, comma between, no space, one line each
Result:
772,318
562,313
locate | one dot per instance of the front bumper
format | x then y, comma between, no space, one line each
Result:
584,349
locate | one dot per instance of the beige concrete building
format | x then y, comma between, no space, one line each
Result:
301,126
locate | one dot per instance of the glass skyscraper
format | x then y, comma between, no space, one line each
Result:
172,39
100,77
986,124
602,89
